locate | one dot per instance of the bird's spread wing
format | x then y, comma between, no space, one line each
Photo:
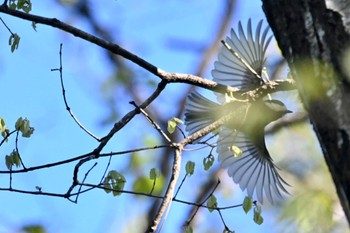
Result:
253,170
229,70
199,112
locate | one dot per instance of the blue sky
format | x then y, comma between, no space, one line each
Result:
31,90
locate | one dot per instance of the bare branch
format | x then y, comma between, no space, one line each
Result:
116,49
65,99
170,190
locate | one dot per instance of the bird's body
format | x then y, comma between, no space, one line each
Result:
254,169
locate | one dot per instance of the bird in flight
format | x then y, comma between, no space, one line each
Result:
241,144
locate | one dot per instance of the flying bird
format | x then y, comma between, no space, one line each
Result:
240,64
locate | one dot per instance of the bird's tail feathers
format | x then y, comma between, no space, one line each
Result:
200,112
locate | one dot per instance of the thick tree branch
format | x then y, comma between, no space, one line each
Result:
116,49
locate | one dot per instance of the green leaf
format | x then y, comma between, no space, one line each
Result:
257,209
172,123
154,174
212,203
208,162
237,152
115,181
25,5
143,184
9,162
12,159
33,229
188,229
24,127
13,6
177,120
247,204
19,123
258,219
190,168
14,41
15,158
5,133
2,125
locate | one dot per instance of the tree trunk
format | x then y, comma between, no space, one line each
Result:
314,40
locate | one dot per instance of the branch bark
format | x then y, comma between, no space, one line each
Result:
313,39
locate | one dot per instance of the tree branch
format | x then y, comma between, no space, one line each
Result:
116,49
313,39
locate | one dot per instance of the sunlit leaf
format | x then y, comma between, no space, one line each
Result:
212,203
19,123
172,123
15,158
144,184
208,162
247,204
190,168
237,152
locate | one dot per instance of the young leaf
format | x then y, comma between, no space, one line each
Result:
247,204
142,184
14,41
212,203
15,158
8,161
114,180
190,168
258,219
2,125
236,151
154,174
24,127
188,229
172,123
208,162
19,123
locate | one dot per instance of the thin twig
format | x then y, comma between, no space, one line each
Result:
105,172
81,157
17,151
3,22
178,189
65,99
7,136
120,124
155,125
223,221
205,199
85,177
